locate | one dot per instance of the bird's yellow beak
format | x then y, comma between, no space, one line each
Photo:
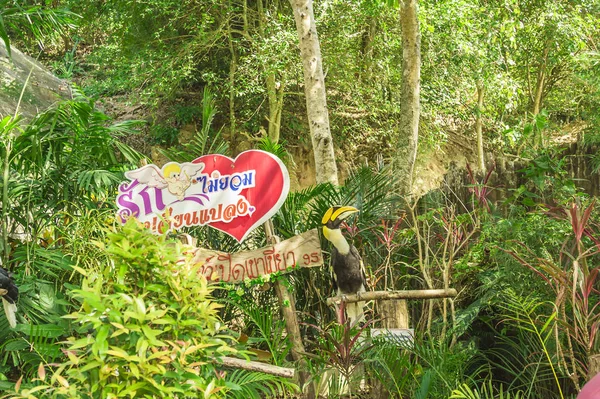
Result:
338,212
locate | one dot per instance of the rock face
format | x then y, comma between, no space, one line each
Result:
42,90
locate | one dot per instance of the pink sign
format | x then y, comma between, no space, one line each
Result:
231,195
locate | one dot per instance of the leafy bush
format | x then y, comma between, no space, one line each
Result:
146,327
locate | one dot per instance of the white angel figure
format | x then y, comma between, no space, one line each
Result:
177,178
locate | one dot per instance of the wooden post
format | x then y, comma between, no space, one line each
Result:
393,313
257,366
408,294
593,366
287,303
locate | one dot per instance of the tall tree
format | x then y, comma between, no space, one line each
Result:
479,126
410,95
273,79
314,89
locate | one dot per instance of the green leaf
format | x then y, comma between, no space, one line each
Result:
4,36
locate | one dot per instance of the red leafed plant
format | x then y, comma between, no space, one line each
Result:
481,191
343,347
574,278
386,237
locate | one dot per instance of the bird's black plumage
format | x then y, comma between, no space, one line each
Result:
349,271
7,284
9,292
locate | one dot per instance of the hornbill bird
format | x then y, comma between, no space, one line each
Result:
348,269
9,293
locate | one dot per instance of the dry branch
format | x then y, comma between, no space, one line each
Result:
408,294
258,366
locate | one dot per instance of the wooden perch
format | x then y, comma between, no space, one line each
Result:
258,366
383,295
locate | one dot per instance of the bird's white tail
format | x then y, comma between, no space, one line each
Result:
355,312
10,309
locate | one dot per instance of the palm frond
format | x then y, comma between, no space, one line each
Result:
205,141
43,262
42,22
391,366
95,181
486,391
252,385
271,331
297,214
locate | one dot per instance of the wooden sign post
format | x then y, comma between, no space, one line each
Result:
281,256
303,250
234,196
287,303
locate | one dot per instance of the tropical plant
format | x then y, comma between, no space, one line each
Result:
390,364
443,366
444,236
147,326
43,23
487,391
268,330
243,384
341,348
205,141
62,165
481,191
65,156
517,361
572,277
530,315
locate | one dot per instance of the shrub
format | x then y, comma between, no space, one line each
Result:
147,327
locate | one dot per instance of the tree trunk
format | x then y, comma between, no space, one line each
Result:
409,113
540,85
479,126
275,96
232,71
366,53
274,87
314,89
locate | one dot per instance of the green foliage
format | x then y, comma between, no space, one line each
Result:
340,351
68,67
242,384
205,141
146,324
59,176
487,392
61,166
66,155
524,313
24,18
392,366
571,276
448,365
269,330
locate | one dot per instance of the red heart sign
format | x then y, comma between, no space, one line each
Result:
232,195
265,191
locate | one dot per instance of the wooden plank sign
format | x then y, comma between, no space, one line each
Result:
303,250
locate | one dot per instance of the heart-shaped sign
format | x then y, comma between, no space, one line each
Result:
266,195
232,195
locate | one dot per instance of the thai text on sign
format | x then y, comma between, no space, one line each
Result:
303,250
231,195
